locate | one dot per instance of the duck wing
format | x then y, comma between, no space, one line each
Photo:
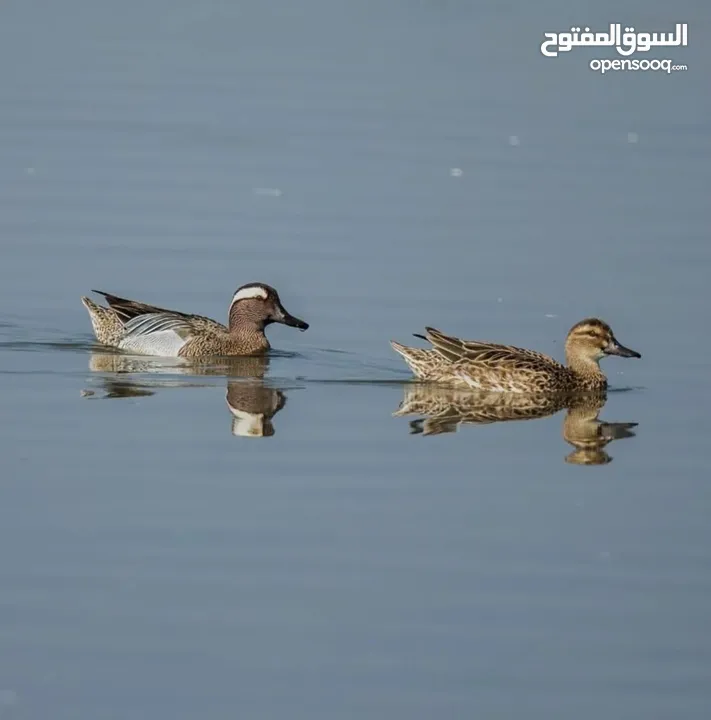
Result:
127,310
487,354
163,334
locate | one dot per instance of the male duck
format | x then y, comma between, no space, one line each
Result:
502,368
150,330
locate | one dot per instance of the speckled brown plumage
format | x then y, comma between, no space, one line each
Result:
108,328
494,367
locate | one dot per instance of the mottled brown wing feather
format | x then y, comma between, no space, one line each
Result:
488,354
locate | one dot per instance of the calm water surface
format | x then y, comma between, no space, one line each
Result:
279,539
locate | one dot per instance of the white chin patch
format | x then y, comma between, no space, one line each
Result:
246,424
256,291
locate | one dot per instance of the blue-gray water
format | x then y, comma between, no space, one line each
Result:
386,165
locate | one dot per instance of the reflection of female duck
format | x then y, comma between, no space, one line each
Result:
589,435
445,409
251,403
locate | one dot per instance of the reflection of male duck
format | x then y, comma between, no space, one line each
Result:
117,362
251,403
446,408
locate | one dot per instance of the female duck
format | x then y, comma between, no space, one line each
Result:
150,330
503,368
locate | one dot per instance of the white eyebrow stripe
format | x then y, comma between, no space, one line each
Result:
256,291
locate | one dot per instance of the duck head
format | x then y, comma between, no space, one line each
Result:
259,304
592,339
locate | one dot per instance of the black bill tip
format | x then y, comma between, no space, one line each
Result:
620,350
292,321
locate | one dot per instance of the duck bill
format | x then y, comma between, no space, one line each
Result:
285,318
616,349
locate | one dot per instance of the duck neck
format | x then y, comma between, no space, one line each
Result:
586,368
248,328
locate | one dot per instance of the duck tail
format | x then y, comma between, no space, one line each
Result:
104,321
417,359
399,348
